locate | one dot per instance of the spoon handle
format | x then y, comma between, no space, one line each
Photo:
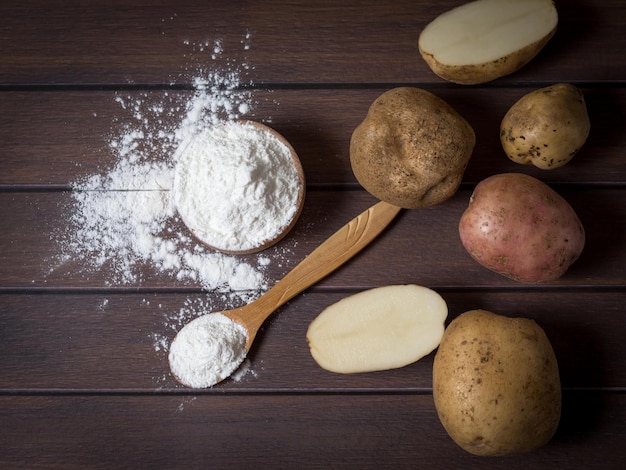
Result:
332,253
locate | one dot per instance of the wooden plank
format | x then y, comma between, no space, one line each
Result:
157,42
56,138
118,342
84,380
281,431
420,246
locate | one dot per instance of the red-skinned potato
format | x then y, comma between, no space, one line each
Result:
521,228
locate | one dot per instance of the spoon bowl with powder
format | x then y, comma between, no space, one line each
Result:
211,347
238,186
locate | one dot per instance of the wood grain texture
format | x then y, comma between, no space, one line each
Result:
110,341
421,246
278,431
145,42
84,380
317,122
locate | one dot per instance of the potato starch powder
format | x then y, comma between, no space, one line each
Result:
123,222
123,227
207,350
236,186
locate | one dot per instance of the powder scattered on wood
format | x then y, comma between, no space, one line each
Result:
122,220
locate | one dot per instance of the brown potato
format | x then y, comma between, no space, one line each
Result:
412,148
546,127
521,228
485,39
496,384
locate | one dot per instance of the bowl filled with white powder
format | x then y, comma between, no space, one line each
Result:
238,186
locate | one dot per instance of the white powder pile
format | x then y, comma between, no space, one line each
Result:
123,220
236,186
207,350
123,224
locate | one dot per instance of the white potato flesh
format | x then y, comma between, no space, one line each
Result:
487,30
378,329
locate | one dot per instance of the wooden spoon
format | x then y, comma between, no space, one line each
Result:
335,251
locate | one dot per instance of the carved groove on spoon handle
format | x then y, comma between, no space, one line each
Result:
332,253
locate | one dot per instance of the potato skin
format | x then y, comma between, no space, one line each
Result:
412,148
489,71
519,227
546,127
496,384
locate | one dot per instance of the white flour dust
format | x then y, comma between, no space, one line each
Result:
122,223
207,350
236,186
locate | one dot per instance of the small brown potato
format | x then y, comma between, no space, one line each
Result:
484,40
496,384
521,228
412,148
546,127
378,329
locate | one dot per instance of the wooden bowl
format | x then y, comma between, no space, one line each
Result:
282,231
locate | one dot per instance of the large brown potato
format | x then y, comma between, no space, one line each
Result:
521,228
412,148
496,384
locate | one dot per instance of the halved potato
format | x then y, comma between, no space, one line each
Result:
487,39
378,329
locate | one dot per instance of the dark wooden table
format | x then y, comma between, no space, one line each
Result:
81,383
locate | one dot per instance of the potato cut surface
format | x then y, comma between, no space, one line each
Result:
378,329
487,30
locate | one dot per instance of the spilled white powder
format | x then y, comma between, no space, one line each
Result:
243,371
207,350
123,220
122,224
236,186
